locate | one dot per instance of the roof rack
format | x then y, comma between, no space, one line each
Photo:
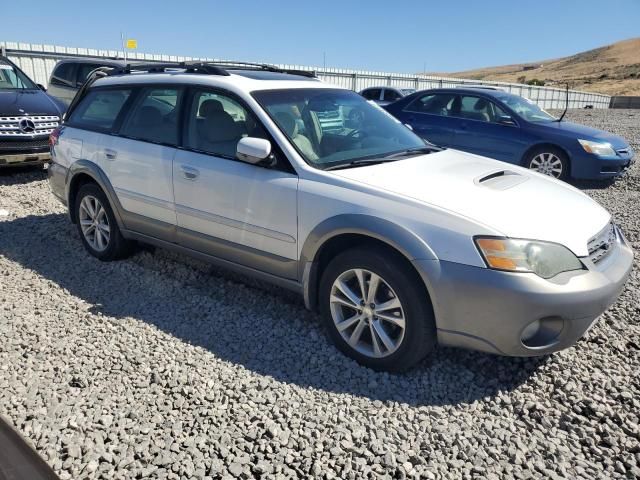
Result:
208,68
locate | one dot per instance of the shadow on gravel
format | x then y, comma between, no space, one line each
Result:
21,175
265,330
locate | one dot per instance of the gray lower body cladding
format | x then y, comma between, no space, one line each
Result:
489,310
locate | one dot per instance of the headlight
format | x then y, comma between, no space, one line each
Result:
514,255
597,148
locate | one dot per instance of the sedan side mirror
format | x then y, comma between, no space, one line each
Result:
506,120
253,150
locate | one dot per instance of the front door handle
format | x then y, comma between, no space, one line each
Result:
110,154
189,173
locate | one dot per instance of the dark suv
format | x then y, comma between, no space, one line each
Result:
70,74
27,116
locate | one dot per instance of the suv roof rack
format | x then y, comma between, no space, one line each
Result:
208,68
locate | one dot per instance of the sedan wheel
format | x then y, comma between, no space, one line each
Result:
548,164
94,223
367,313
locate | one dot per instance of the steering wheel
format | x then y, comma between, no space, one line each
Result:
357,134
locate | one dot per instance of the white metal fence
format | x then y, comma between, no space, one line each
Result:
38,62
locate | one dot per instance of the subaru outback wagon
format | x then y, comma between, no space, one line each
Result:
399,244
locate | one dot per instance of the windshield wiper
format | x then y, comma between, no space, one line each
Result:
358,163
414,151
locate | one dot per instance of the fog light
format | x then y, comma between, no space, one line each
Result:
542,333
530,331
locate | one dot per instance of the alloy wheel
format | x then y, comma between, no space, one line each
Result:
94,223
367,313
547,164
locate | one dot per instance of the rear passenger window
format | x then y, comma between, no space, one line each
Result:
435,104
372,94
391,95
99,109
63,74
154,117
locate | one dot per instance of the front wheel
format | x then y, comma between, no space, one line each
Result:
548,161
376,309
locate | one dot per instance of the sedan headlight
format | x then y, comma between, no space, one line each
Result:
602,149
514,255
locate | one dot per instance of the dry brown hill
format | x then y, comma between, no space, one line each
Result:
613,70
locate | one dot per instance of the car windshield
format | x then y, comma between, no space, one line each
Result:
12,79
407,91
330,127
526,108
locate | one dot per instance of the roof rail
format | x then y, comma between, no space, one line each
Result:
208,68
191,67
232,65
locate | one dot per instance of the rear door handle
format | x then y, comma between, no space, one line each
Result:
110,154
189,173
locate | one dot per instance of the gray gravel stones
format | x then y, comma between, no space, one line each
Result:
164,367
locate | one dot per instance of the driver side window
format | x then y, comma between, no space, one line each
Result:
217,122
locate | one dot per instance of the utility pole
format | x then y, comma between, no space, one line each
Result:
124,48
324,61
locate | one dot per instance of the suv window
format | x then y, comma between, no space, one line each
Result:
84,69
64,75
391,95
435,104
372,94
154,117
99,109
216,123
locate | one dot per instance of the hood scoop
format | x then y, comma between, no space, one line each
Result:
501,179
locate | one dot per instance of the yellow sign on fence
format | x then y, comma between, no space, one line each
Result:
132,44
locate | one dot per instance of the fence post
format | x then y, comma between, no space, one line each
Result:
354,85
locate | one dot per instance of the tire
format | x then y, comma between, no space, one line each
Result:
397,283
113,245
547,160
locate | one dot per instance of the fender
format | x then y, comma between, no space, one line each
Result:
91,169
394,235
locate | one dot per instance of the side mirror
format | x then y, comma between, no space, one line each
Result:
506,120
42,87
253,150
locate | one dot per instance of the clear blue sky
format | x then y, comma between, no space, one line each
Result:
397,36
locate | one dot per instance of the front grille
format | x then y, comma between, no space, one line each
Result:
601,245
21,144
42,125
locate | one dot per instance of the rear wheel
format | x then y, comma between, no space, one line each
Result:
376,309
97,225
548,161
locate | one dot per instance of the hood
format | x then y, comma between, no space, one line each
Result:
508,199
27,102
585,133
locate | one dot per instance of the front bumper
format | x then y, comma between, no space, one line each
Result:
488,310
21,159
588,166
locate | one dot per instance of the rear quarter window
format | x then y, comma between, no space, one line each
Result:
99,109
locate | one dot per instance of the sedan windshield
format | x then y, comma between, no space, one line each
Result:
331,127
526,108
12,79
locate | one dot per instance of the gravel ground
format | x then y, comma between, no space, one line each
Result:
163,367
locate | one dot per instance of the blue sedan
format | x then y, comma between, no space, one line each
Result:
513,129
